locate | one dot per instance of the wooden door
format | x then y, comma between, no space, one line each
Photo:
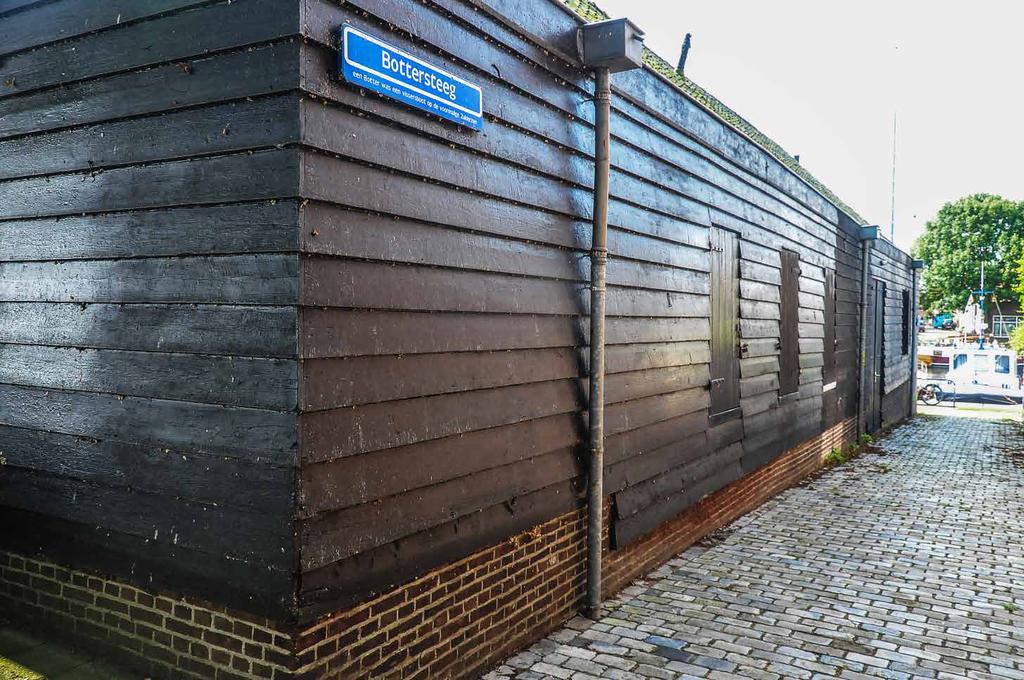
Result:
725,369
876,357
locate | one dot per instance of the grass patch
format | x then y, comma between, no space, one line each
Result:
12,671
835,457
843,454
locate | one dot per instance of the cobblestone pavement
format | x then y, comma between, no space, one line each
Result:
906,563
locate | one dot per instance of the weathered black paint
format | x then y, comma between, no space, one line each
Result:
842,401
149,238
360,333
423,302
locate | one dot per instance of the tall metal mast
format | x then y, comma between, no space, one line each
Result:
892,206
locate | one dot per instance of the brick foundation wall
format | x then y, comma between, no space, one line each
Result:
453,622
462,617
156,635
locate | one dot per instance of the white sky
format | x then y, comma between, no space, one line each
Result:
823,78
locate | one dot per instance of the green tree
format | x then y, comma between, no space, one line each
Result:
1017,339
966,233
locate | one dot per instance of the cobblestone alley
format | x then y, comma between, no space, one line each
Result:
905,563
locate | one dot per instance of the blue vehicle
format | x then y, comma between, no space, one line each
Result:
944,321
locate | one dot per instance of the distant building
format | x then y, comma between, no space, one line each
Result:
1002,319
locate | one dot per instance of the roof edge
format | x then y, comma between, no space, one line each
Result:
654,63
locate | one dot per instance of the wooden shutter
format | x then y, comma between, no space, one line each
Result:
829,368
789,337
725,370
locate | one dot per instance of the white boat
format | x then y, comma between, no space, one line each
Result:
968,372
988,367
972,363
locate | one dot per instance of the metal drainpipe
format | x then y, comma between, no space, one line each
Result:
598,266
915,267
865,381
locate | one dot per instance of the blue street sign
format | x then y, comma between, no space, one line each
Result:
371,63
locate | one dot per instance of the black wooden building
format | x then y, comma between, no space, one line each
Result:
293,377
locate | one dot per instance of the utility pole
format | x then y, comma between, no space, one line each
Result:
892,206
982,293
981,302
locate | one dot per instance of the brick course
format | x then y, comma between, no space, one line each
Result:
161,636
453,622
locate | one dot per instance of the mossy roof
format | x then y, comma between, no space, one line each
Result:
589,11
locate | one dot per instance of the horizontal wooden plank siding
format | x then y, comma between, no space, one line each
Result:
149,282
892,267
840,402
445,296
273,340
